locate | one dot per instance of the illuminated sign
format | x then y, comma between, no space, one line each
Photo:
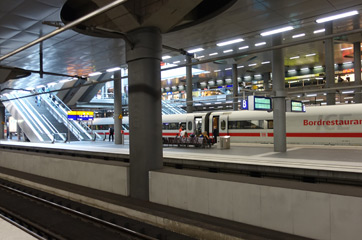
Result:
294,106
244,105
80,115
260,103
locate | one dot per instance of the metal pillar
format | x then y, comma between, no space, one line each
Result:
266,78
189,101
357,71
280,142
144,77
117,83
235,88
329,53
2,121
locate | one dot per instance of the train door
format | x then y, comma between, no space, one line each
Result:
207,123
198,125
190,125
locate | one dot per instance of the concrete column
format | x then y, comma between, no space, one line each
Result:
357,71
266,78
235,88
2,121
329,58
117,107
189,101
280,143
144,78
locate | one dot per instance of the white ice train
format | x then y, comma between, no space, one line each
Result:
337,124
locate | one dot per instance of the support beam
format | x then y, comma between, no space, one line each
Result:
144,77
279,116
329,59
118,107
235,88
2,120
357,71
266,78
189,100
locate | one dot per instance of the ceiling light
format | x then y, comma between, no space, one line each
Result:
166,57
213,54
94,74
292,70
229,50
304,69
348,97
195,50
226,69
265,62
253,64
200,56
240,66
347,63
113,69
243,47
347,92
259,44
257,75
217,70
338,16
318,67
230,42
348,48
296,57
311,95
279,30
175,62
306,100
319,99
319,31
298,35
309,55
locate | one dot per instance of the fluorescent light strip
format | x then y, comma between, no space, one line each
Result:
230,42
347,63
195,50
113,69
229,50
338,16
347,92
296,57
311,95
243,47
259,44
176,62
310,55
228,69
292,70
213,54
318,67
257,75
166,57
94,74
298,35
279,30
344,49
200,56
319,31
265,62
240,66
304,69
217,70
253,64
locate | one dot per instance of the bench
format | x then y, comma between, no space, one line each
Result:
187,141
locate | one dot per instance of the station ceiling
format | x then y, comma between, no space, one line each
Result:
73,53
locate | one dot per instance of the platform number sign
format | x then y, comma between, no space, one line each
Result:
244,105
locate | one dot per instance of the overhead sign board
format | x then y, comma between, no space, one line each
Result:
260,103
294,106
80,115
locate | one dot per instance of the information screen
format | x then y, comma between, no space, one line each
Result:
297,106
262,103
80,115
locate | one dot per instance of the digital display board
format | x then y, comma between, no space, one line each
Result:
297,106
80,115
260,103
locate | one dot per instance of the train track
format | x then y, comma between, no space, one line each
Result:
55,218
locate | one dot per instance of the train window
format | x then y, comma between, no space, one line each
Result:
189,126
223,125
270,124
246,124
173,126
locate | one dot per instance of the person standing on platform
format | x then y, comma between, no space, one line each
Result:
111,134
215,133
